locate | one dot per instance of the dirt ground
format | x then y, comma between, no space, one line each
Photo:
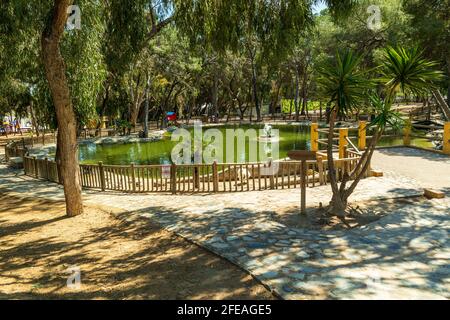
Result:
429,169
117,259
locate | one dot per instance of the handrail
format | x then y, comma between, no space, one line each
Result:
353,146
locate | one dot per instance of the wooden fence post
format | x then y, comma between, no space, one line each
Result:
343,143
407,133
196,177
215,177
271,178
102,176
320,168
362,134
46,170
446,135
173,178
133,177
314,137
36,172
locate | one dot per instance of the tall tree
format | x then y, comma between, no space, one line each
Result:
67,125
273,24
430,25
347,85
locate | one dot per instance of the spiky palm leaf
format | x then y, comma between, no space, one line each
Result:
385,115
344,82
407,70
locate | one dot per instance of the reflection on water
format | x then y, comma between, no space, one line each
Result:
292,137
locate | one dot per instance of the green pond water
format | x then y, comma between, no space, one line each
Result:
292,137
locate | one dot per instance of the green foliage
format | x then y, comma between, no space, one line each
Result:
344,82
286,105
384,114
22,23
85,67
409,72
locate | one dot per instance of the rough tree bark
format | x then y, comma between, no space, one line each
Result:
55,71
339,201
146,109
255,84
297,95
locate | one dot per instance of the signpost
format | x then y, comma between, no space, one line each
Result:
303,156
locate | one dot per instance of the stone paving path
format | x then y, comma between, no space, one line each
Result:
405,255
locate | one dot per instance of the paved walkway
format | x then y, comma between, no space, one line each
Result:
405,255
431,170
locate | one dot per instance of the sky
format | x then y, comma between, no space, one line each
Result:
319,7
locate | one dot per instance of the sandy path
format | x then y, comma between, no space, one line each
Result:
117,260
429,169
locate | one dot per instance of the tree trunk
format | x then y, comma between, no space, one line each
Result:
58,158
448,77
304,94
297,95
215,94
146,109
34,121
338,204
290,108
67,129
104,105
321,113
255,87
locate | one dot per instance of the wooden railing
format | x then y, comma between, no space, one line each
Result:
15,149
196,178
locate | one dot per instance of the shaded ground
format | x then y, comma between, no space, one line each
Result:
117,259
404,255
359,214
429,169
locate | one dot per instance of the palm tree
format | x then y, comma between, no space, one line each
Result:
403,70
346,84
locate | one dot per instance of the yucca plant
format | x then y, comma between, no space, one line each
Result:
404,71
346,85
407,71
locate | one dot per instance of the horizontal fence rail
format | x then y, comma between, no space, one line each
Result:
196,178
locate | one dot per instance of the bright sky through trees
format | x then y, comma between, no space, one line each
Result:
319,7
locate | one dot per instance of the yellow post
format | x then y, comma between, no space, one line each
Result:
343,143
407,133
104,121
314,137
446,148
362,135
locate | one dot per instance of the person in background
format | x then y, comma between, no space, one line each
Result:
17,125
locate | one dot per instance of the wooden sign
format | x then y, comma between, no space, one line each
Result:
302,155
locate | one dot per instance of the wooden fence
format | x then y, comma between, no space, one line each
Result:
202,178
13,150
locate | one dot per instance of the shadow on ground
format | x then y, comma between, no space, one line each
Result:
118,260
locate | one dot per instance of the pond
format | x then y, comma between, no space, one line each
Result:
292,137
